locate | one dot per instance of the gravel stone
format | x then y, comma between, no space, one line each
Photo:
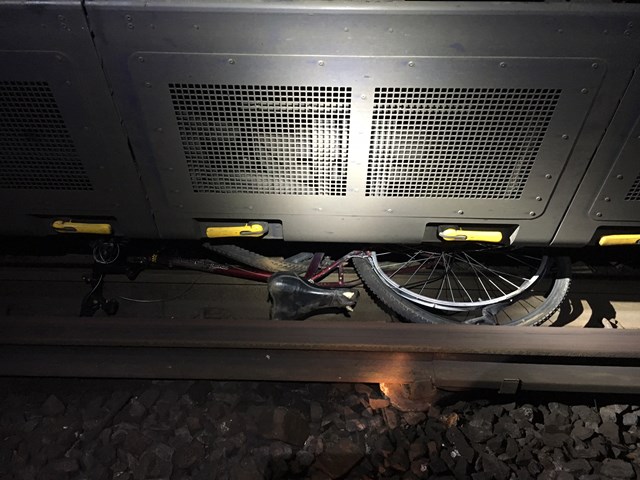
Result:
617,469
179,430
340,457
610,430
52,407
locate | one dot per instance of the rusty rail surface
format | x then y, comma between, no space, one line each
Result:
450,357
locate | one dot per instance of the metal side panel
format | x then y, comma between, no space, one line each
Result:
344,112
63,153
609,194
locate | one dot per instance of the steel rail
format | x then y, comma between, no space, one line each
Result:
447,356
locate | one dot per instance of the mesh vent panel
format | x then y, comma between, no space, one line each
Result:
476,143
264,139
634,191
36,150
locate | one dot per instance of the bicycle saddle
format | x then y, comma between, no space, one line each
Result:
294,298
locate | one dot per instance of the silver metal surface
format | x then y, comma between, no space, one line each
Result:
63,154
607,198
451,113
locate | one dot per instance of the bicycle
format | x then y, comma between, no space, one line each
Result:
481,284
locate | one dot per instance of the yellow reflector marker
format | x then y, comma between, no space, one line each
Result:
460,235
253,229
78,227
621,239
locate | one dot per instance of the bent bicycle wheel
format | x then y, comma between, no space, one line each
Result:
467,286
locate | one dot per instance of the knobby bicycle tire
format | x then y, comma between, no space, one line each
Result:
255,260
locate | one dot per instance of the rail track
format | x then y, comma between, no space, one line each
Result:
210,327
181,324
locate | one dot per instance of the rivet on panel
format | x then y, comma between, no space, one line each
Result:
319,209
231,61
412,64
59,58
159,130
594,66
321,63
548,176
141,59
250,207
67,83
503,64
363,96
171,169
460,212
176,191
389,210
390,30
197,27
127,18
605,32
560,30
152,26
130,26
619,177
607,199
147,84
539,198
346,29
627,33
598,214
532,214
584,91
565,136
630,24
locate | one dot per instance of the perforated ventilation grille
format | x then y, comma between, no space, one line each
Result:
290,140
478,143
634,192
36,150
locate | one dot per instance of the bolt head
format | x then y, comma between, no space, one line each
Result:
584,91
231,61
503,64
460,212
565,137
598,214
532,214
548,176
411,64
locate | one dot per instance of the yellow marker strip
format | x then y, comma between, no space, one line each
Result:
78,227
460,235
621,239
247,230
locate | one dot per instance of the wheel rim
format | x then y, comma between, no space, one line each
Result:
458,280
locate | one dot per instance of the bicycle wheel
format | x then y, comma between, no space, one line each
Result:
530,307
458,279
